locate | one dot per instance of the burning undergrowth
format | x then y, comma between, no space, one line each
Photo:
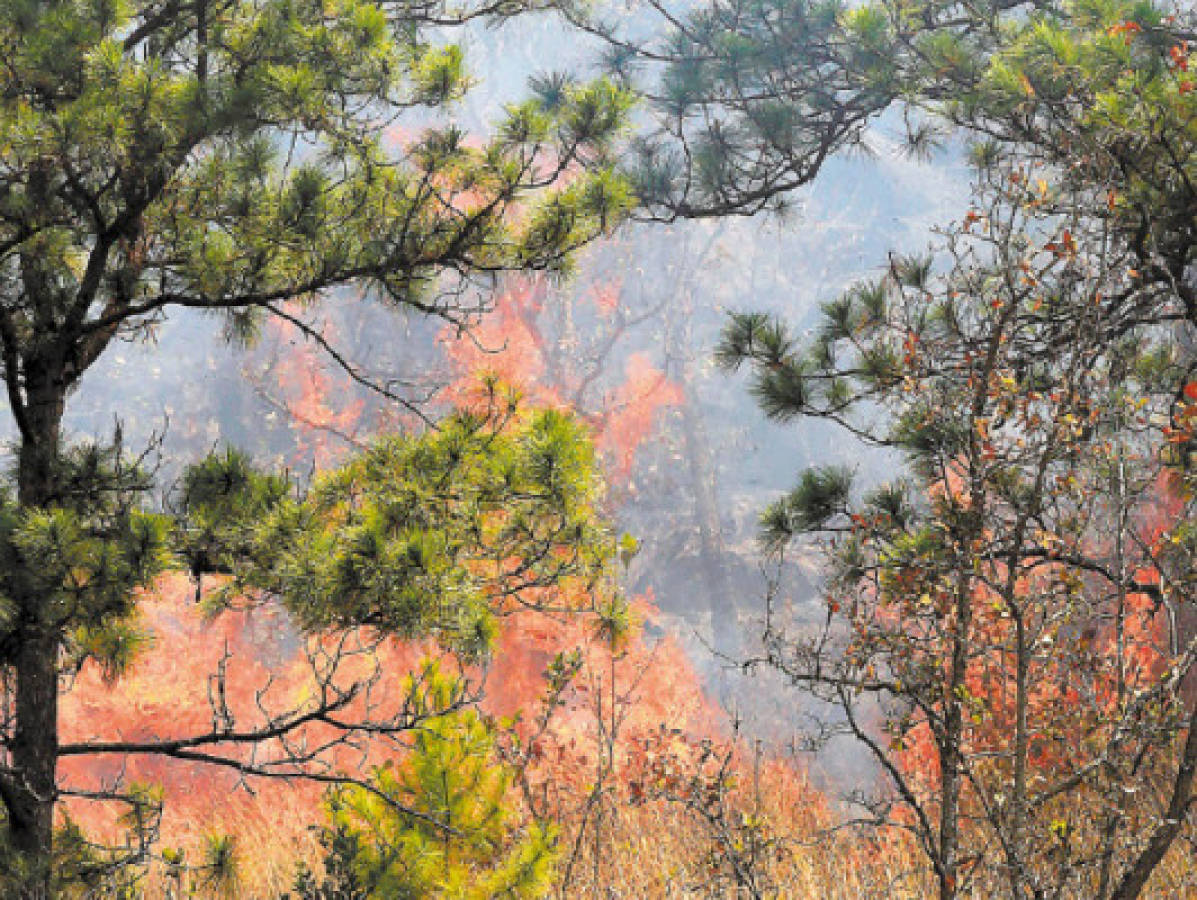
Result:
591,716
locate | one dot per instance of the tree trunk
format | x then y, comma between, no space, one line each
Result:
1139,872
721,600
33,752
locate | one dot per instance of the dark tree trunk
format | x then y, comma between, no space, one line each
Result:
1165,833
33,752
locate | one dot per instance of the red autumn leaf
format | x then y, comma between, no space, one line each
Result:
1125,28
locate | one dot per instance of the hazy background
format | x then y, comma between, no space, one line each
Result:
707,462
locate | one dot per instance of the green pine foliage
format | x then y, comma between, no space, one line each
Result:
220,499
821,496
1037,376
167,135
754,95
427,535
231,158
436,824
85,553
424,536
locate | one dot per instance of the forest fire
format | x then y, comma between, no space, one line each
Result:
306,393
262,656
250,665
521,343
353,614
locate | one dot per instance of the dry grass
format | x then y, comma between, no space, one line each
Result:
664,849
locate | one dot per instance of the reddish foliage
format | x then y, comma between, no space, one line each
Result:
1078,678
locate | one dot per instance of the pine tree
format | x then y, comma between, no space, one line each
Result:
1014,609
453,836
417,537
752,97
226,158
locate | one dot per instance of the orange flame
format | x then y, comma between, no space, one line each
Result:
512,343
166,695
